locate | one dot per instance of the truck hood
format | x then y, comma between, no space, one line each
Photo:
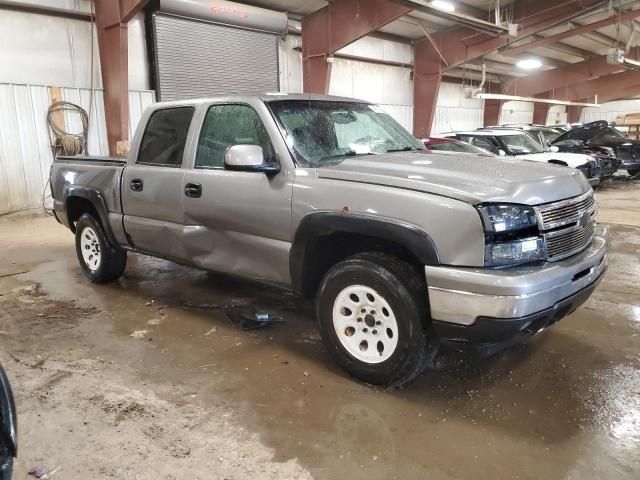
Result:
573,160
471,178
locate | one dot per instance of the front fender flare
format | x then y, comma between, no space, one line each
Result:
318,224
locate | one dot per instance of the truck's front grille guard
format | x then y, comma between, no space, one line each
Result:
567,226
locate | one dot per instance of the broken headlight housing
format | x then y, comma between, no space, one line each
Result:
511,235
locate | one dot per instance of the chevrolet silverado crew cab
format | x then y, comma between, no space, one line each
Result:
402,249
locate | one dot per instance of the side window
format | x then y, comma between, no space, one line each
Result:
165,137
227,125
485,143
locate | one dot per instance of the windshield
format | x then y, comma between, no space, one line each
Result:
595,134
549,135
458,147
521,144
609,133
322,132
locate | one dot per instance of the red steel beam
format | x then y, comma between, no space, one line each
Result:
541,42
609,84
564,76
492,110
532,16
335,26
129,8
621,94
573,113
427,76
540,111
111,21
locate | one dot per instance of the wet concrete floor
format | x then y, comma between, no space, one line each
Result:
566,405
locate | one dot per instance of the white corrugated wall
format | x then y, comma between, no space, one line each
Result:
609,111
456,112
25,144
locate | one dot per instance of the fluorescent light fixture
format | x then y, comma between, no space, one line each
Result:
443,5
508,98
529,64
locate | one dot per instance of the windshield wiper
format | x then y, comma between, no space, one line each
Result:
404,149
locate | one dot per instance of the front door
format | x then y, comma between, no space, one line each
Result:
152,186
236,222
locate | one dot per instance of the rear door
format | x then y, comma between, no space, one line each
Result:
237,221
152,186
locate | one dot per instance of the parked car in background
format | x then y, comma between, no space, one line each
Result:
601,134
604,156
402,249
516,143
8,428
440,144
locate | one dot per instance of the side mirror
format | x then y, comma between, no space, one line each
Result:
502,153
248,158
554,149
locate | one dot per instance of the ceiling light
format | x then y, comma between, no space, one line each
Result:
529,64
443,5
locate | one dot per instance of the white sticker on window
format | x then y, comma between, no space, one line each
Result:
376,108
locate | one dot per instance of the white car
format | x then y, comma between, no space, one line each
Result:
516,143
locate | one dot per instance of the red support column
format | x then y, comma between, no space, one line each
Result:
540,112
427,74
112,43
111,21
573,113
492,110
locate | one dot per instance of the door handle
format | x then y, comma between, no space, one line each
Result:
193,190
136,185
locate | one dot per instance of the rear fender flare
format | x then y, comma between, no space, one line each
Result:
99,203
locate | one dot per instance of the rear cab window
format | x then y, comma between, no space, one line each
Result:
165,137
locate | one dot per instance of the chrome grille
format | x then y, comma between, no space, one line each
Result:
565,212
567,226
565,242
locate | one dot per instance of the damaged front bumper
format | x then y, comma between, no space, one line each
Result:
485,310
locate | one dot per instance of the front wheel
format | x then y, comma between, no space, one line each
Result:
633,172
372,313
100,261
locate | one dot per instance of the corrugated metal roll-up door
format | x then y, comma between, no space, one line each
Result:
199,59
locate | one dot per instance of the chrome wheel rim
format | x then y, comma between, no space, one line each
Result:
365,324
90,247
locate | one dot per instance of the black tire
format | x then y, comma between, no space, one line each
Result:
112,260
404,289
634,172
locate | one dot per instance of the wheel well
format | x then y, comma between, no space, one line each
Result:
327,250
558,162
78,206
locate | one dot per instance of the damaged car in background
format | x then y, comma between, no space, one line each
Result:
600,136
402,249
605,158
516,143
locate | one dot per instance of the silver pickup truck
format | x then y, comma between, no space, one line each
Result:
403,250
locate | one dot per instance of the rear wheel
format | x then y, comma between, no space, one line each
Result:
100,261
372,313
633,172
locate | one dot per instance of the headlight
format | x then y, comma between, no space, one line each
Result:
514,252
507,218
511,235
